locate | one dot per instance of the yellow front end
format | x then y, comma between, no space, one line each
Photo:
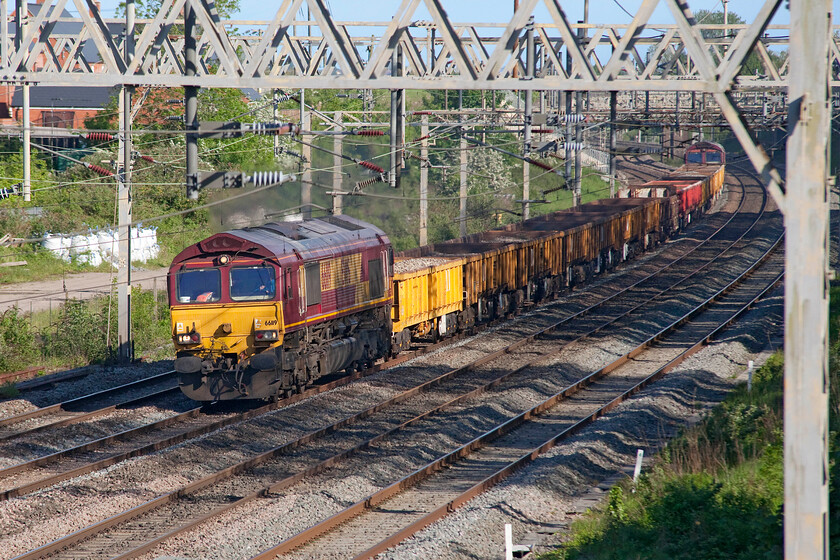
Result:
240,329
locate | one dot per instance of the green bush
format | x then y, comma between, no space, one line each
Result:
17,342
78,336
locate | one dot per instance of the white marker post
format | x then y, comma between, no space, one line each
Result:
640,454
750,368
508,542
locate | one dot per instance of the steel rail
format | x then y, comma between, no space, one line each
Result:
370,502
75,418
22,375
230,471
68,405
201,430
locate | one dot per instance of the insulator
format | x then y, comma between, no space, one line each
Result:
99,136
368,133
13,190
265,178
175,118
541,165
273,128
371,166
99,170
148,158
174,101
421,113
423,137
282,150
367,182
576,118
282,98
541,130
572,146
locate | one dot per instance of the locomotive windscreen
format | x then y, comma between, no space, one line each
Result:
200,285
250,283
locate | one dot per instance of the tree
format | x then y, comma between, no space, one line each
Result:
752,64
148,9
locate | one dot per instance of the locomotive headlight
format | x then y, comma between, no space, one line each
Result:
224,259
266,336
189,338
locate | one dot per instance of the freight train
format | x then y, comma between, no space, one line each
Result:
261,312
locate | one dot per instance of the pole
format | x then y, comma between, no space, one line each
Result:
338,199
613,117
27,146
578,136
806,287
392,147
27,130
529,109
462,198
274,120
125,347
568,134
424,179
4,37
306,175
725,18
191,102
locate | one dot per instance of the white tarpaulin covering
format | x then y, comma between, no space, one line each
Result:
103,246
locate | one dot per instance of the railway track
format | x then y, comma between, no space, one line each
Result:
89,406
49,469
171,506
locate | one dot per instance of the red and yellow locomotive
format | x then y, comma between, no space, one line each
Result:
263,310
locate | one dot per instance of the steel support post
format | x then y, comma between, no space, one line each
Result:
191,102
613,117
578,136
529,110
27,130
568,135
401,120
27,145
4,35
274,120
338,199
125,350
306,175
806,287
394,128
424,179
462,198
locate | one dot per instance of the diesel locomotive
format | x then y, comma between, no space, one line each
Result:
261,312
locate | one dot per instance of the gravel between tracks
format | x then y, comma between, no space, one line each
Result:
544,495
98,378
